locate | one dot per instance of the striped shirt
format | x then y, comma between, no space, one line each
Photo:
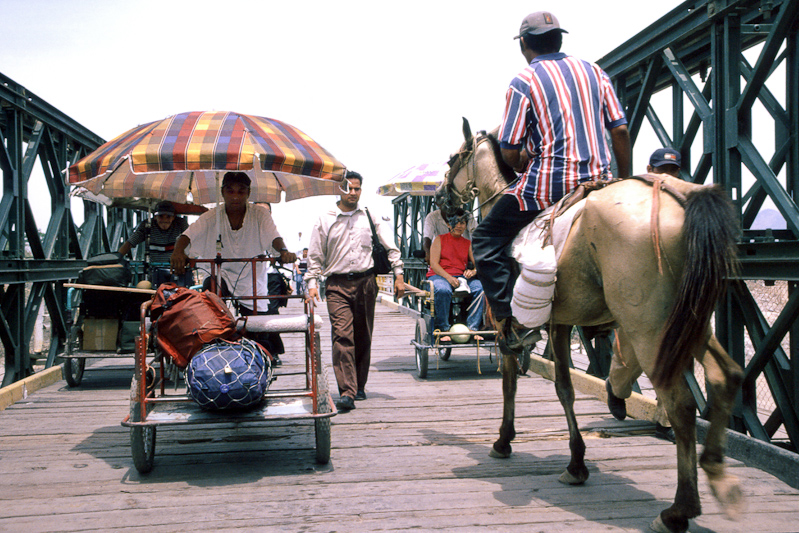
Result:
161,242
558,109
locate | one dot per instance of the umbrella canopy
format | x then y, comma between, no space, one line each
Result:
142,204
183,158
421,180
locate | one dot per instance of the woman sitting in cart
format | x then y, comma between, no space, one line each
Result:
450,254
160,233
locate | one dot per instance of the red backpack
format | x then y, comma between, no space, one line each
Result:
186,319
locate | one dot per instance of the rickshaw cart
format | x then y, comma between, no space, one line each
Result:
427,337
96,320
307,395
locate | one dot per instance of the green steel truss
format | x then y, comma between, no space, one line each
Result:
34,266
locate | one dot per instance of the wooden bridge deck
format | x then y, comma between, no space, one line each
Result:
414,456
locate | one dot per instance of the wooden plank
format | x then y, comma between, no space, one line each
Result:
414,455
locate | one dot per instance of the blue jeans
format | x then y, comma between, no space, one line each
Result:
443,299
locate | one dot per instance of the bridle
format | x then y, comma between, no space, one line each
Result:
465,158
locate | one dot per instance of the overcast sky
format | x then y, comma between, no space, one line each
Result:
382,86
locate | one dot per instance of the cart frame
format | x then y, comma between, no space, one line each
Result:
151,406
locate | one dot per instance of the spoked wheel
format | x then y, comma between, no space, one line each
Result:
73,366
322,425
421,353
142,438
444,353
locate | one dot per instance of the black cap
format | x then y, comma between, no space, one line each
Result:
164,208
665,156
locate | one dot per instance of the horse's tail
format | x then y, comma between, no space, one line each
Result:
710,232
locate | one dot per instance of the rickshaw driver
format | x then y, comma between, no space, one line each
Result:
246,231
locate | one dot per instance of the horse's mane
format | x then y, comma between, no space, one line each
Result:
508,174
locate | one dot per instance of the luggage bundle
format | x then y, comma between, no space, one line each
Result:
108,270
229,375
198,332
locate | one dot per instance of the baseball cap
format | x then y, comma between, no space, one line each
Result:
539,23
164,208
665,156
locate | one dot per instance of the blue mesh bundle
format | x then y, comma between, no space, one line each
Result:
229,375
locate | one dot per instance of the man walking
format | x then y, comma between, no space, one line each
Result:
553,134
341,250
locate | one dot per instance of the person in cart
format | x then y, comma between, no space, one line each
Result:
450,256
245,231
435,224
160,233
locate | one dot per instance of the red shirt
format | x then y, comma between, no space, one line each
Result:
454,255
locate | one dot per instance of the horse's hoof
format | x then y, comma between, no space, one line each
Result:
498,455
728,492
568,479
658,526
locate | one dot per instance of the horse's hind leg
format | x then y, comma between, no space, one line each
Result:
507,431
682,414
724,377
576,473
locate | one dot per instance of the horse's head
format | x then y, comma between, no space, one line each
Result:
476,170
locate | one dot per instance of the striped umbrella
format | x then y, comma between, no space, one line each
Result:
421,180
183,158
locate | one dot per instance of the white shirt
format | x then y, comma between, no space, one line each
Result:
341,243
254,238
434,225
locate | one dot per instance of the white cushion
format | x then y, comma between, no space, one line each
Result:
279,323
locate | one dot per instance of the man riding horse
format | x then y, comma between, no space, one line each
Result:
553,134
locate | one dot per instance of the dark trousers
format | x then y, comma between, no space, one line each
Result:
496,269
351,306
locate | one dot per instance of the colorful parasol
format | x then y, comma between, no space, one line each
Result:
183,158
421,180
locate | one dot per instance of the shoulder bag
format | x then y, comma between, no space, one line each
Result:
379,253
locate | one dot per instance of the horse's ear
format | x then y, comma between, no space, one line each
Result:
467,130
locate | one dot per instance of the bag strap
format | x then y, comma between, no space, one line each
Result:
372,225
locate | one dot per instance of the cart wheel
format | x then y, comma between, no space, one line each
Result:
73,367
444,353
421,353
142,438
73,370
322,425
142,447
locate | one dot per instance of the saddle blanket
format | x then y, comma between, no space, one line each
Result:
534,290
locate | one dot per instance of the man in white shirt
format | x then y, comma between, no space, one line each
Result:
243,231
341,250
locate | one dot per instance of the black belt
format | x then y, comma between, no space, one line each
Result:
352,275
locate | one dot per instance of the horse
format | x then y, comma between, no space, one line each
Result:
655,278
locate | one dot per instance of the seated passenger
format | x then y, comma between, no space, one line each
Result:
160,233
449,255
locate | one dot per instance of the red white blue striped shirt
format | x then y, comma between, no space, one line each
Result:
558,109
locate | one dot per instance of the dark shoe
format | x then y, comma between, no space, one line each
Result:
345,403
665,433
616,405
276,360
361,395
514,337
